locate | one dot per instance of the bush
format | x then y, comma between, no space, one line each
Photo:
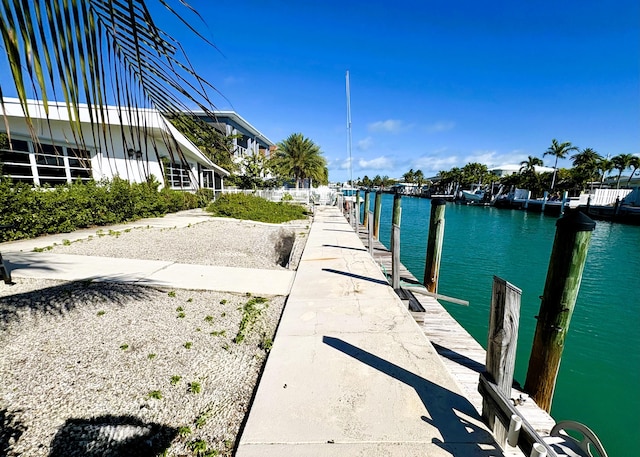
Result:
241,206
36,211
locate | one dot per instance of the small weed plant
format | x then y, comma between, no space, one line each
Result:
175,379
155,394
195,387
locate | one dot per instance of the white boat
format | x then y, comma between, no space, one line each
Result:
473,195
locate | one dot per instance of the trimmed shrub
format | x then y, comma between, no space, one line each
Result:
251,207
37,211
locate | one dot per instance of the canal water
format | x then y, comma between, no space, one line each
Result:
599,379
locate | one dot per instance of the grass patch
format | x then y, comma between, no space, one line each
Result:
155,394
195,387
124,347
251,207
175,379
100,313
188,345
250,313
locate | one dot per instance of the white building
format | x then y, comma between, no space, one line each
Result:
247,139
506,170
133,144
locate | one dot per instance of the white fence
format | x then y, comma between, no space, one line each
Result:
321,196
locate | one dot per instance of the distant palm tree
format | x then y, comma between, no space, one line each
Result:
98,52
418,176
634,164
621,162
604,167
586,164
559,151
530,164
299,158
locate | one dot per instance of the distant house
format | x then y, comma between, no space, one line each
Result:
133,144
506,170
248,140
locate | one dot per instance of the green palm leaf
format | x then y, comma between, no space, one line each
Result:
99,52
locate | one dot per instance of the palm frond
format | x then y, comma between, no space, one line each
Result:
99,53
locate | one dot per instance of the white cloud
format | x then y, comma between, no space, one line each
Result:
440,126
365,144
388,126
379,163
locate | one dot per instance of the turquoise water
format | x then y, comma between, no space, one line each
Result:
599,379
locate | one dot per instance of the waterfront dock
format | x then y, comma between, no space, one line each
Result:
351,372
463,357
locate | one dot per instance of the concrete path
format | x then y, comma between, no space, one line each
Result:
350,372
22,262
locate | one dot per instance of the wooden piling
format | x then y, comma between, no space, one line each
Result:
395,259
434,245
395,216
365,211
356,213
370,232
504,321
377,208
568,255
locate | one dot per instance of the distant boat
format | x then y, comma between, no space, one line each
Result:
472,195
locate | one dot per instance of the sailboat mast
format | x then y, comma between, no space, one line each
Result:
349,130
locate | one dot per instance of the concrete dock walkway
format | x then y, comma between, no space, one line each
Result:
350,372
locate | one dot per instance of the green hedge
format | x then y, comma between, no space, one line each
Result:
242,206
38,211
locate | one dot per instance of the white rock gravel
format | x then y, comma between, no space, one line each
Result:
79,362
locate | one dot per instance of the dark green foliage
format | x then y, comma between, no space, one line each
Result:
241,206
38,211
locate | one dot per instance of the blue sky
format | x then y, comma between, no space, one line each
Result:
434,84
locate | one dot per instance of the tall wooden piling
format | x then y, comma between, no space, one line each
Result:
365,211
504,321
568,255
356,213
434,245
377,208
395,239
395,215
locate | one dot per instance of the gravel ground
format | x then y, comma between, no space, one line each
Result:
106,369
229,243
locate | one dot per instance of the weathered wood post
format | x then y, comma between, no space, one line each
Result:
504,321
365,211
395,256
370,232
434,245
395,213
568,255
377,208
395,239
356,212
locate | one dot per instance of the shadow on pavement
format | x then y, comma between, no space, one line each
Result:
64,298
447,409
111,436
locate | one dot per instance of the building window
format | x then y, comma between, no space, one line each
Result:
15,162
47,164
178,175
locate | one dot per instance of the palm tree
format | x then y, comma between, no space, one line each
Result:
418,176
621,162
634,164
99,52
604,167
559,151
409,176
300,158
586,164
530,164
